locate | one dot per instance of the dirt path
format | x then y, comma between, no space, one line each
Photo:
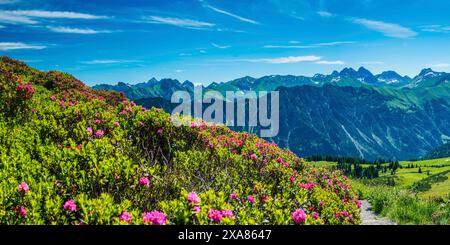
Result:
368,217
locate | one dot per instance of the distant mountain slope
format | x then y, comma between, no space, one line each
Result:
347,77
363,121
439,152
351,112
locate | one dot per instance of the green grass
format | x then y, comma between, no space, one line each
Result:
416,198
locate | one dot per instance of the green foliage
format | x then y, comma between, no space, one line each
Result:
76,156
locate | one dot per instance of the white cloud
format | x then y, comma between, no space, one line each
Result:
179,71
315,45
333,43
388,29
186,23
284,60
231,14
53,14
18,45
440,65
294,42
289,46
63,29
220,46
103,62
325,14
29,16
436,28
15,19
334,62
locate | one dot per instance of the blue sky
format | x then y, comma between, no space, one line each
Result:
103,41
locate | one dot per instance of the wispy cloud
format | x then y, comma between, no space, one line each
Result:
31,17
388,29
440,65
103,62
284,60
179,70
54,14
334,43
289,46
220,46
231,14
4,46
314,45
436,28
185,23
15,19
334,62
294,42
63,29
325,14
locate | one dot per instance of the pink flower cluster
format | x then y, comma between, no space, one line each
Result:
21,211
70,206
307,186
144,181
26,90
23,187
99,133
251,199
192,197
125,216
215,215
233,196
154,217
298,216
344,214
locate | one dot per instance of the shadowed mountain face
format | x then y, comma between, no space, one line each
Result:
360,122
352,112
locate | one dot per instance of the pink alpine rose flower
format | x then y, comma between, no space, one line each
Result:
298,216
125,216
233,196
251,199
154,217
99,133
315,215
70,206
196,209
192,197
22,211
226,213
23,187
253,156
215,215
358,203
116,124
159,131
144,181
89,130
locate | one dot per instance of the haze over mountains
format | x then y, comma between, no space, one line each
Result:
351,112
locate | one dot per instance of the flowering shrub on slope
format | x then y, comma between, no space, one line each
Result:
78,158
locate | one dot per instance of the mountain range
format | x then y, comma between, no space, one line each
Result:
346,113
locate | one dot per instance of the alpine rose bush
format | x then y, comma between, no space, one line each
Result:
93,157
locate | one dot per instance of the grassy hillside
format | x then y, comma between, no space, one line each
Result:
71,155
418,193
